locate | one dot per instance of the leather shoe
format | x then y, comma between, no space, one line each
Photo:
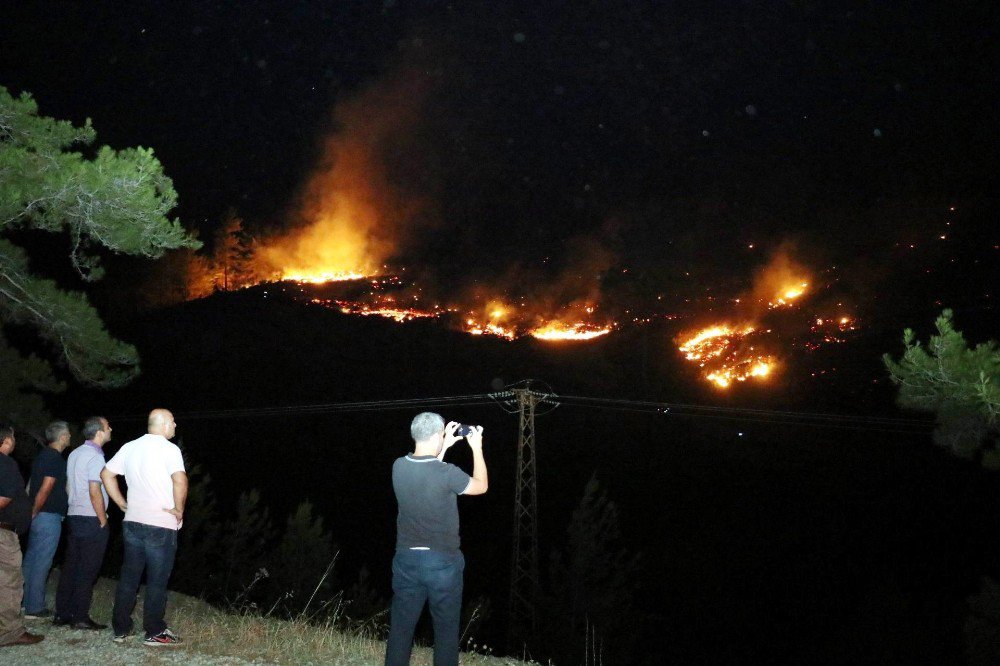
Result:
61,621
26,639
89,624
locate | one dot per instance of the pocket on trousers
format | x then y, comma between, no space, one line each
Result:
161,537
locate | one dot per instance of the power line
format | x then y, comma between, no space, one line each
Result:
845,421
330,407
506,400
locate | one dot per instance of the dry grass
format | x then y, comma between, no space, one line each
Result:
234,638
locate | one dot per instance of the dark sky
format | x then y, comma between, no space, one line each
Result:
673,128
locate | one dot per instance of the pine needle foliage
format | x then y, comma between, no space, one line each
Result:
54,179
961,385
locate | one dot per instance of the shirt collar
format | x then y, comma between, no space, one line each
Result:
90,443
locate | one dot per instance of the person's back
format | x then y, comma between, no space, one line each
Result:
427,491
154,512
428,565
147,463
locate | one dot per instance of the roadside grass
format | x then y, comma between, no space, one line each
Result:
250,637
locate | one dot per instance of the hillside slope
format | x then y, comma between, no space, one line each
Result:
210,637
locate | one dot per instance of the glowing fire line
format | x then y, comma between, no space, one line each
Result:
558,331
324,277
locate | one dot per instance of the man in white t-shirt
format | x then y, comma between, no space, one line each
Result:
154,511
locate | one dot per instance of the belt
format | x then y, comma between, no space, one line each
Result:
8,526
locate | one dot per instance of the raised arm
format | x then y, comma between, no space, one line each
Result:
479,483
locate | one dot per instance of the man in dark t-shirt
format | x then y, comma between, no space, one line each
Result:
15,516
428,563
47,492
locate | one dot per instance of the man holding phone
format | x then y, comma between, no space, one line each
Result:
428,564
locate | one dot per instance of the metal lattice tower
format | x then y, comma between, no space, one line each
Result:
523,621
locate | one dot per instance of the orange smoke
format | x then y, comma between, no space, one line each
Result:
780,283
349,215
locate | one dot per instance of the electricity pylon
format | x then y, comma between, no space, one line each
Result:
523,620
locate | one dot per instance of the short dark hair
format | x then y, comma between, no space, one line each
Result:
92,426
6,431
55,430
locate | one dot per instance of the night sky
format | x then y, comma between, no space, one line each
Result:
674,131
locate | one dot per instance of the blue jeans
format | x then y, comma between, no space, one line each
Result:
43,540
151,549
434,577
86,542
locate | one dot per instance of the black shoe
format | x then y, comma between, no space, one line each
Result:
89,624
61,621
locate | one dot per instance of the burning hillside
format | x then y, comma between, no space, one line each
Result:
508,323
352,224
727,352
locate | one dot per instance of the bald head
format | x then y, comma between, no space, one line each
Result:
161,422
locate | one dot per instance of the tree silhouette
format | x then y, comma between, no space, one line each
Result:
960,385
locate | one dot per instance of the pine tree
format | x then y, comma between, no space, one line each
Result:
591,586
196,570
300,568
233,256
960,385
245,540
106,200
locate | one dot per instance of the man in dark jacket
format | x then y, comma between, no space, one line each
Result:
15,518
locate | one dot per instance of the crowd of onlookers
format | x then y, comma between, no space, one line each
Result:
428,566
75,492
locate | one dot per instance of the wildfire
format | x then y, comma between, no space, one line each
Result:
386,309
743,371
325,276
493,322
489,328
397,314
711,342
829,330
787,295
722,350
578,331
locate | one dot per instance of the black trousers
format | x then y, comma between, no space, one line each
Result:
85,547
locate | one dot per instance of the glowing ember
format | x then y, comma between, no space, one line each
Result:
394,312
490,328
579,331
398,314
827,331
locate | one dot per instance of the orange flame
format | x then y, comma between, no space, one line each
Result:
322,277
561,331
788,294
350,216
715,349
